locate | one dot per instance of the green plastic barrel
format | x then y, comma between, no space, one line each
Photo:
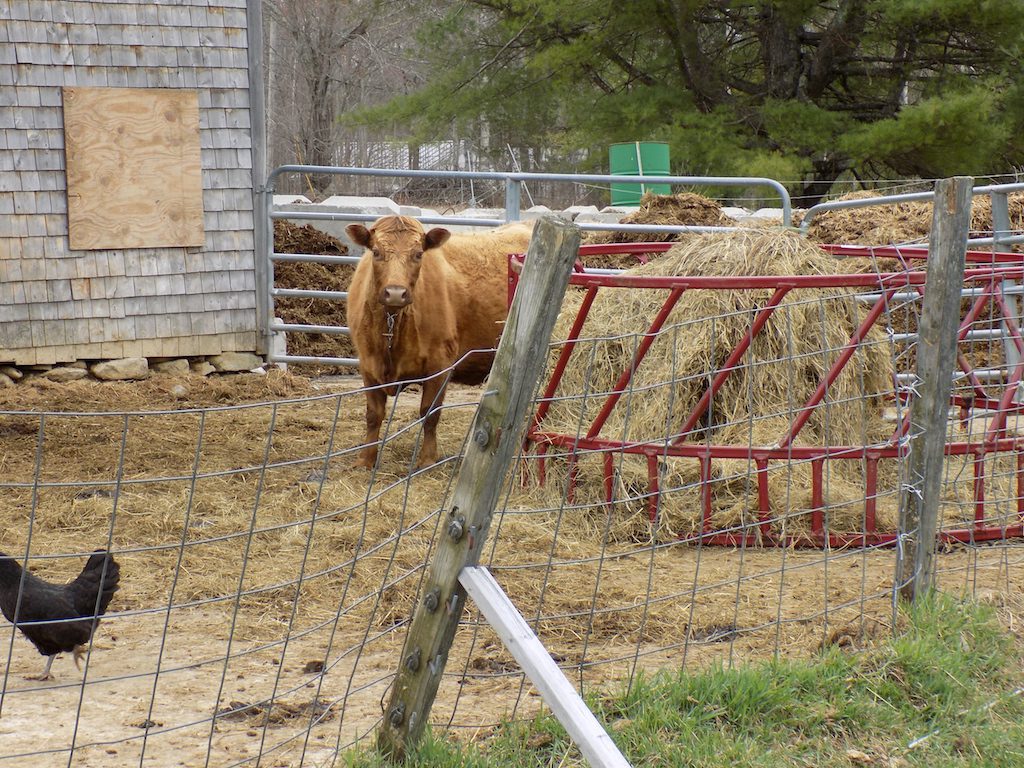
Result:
638,158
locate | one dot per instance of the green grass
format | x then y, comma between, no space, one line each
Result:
951,674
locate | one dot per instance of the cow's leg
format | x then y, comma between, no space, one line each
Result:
376,400
430,412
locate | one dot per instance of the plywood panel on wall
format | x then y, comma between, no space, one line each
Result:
133,167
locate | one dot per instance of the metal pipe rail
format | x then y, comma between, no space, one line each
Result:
907,296
978,334
514,181
355,217
346,361
513,198
318,258
335,330
303,293
982,374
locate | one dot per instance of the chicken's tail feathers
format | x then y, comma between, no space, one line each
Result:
102,563
99,578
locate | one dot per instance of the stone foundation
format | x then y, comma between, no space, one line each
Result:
133,368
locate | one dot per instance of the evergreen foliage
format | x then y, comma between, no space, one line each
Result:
802,90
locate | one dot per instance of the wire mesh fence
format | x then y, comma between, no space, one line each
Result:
266,585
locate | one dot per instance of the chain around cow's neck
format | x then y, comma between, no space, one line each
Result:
391,320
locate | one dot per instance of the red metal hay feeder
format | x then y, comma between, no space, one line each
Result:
986,274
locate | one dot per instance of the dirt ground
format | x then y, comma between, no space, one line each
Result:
266,581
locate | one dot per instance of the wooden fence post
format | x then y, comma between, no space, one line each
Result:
495,436
929,414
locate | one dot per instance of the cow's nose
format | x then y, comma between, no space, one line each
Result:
395,296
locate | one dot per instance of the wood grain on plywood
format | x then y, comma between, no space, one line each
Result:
133,167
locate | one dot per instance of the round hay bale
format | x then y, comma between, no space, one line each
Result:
758,400
778,374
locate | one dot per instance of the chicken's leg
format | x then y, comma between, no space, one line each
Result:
46,672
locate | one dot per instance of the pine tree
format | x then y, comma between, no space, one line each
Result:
792,89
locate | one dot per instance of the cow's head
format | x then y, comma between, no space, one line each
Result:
397,245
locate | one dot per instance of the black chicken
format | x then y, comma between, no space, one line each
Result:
67,614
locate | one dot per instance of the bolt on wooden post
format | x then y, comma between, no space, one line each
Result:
496,434
936,353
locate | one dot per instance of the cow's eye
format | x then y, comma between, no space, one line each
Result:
377,255
417,255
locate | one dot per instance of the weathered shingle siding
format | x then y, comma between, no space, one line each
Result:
57,304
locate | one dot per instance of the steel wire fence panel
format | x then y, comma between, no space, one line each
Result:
266,584
628,446
264,581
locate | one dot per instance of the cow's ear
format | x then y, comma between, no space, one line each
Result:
360,235
436,237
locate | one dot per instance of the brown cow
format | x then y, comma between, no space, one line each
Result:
418,302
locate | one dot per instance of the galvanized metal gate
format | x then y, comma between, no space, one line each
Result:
513,182
1001,238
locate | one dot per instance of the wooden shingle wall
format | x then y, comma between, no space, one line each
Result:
58,304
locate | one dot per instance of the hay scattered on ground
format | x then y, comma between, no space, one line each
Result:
227,510
159,392
263,467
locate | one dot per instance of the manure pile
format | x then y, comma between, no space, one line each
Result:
683,209
757,402
900,223
291,238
